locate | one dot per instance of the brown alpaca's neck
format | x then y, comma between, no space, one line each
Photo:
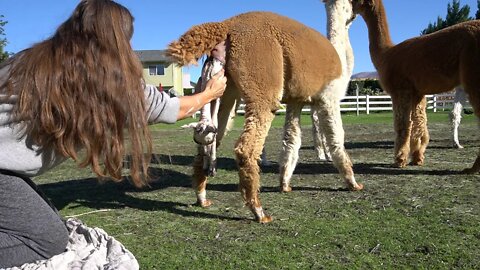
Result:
378,32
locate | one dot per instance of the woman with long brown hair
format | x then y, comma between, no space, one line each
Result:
79,90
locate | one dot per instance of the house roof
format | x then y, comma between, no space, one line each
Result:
153,56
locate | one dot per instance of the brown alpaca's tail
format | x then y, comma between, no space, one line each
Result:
197,41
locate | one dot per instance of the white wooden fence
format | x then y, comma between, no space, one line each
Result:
367,104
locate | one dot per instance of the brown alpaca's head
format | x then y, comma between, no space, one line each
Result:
188,48
181,56
362,6
197,41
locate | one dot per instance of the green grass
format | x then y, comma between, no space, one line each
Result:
418,217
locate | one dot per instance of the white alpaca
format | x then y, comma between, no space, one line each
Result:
338,13
456,114
339,18
337,33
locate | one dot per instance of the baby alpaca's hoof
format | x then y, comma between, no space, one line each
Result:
417,163
357,187
265,219
286,188
399,165
204,203
260,215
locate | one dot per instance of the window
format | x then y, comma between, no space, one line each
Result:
156,70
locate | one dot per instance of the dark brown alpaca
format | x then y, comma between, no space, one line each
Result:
270,59
429,64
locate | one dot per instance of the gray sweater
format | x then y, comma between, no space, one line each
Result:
21,156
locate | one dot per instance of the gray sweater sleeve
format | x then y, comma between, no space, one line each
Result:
161,108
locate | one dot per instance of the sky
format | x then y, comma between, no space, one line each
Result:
158,22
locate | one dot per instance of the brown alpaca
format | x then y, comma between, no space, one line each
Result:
270,59
419,66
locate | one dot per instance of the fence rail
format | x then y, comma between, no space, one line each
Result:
367,104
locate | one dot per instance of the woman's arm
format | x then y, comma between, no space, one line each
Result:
163,109
214,89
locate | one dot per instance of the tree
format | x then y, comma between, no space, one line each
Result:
477,15
370,87
455,14
432,27
3,41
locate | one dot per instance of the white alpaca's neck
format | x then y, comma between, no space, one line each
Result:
337,33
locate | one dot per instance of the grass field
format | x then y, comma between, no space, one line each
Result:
419,217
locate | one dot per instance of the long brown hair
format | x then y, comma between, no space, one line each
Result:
81,88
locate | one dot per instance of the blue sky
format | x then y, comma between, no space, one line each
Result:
157,22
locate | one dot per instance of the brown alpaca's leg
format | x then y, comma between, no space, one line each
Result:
328,111
475,167
292,136
402,110
199,182
471,89
247,151
420,136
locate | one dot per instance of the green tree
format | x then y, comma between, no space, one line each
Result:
477,15
455,14
370,87
3,41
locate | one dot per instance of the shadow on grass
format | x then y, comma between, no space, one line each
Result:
447,144
90,193
224,163
362,145
93,194
320,167
305,188
387,169
362,168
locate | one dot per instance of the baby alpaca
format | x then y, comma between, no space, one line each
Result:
301,63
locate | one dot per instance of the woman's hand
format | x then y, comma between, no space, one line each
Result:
214,89
216,85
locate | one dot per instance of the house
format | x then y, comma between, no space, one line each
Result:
158,70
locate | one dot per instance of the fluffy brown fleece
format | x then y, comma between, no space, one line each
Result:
270,59
429,64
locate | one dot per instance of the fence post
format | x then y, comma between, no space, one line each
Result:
434,103
358,105
367,103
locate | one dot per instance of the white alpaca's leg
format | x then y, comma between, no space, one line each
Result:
455,119
319,140
331,122
291,145
456,115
